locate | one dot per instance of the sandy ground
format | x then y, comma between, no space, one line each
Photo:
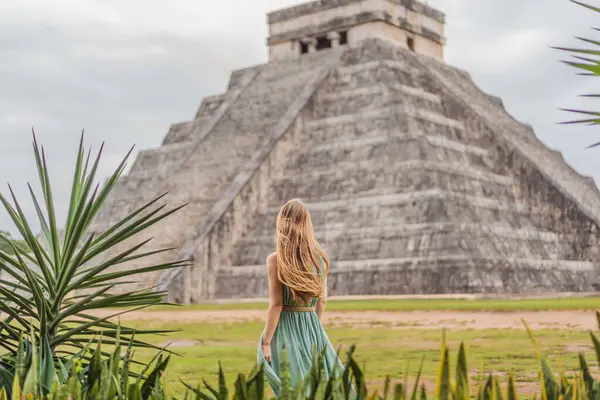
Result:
585,320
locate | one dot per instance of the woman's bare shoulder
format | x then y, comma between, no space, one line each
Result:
272,261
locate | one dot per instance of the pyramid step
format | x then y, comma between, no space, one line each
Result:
283,88
257,110
402,167
291,71
240,78
283,68
139,190
376,97
390,146
164,157
210,104
266,98
442,141
384,112
394,227
398,227
379,89
458,273
391,264
434,239
383,177
388,119
432,206
537,263
412,197
131,191
369,66
221,151
163,161
386,72
210,163
205,184
187,131
382,137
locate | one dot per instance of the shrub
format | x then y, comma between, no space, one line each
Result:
106,376
54,280
455,386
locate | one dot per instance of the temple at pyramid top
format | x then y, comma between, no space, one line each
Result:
322,24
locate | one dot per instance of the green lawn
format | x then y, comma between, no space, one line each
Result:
384,350
585,303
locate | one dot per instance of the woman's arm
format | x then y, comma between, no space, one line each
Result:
275,305
322,302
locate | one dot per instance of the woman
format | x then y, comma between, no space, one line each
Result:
297,274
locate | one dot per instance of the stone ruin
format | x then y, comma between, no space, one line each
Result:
418,181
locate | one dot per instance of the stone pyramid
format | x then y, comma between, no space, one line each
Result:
418,181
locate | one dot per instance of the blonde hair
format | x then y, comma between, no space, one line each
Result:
298,251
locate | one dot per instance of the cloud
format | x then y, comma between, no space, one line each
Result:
125,71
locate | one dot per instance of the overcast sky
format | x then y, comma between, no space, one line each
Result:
126,69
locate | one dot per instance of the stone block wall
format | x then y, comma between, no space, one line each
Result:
412,192
545,182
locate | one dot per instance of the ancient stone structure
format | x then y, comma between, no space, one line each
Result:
418,181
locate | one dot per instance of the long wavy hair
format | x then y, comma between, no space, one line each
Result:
299,254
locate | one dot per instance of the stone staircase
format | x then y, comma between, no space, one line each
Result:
408,196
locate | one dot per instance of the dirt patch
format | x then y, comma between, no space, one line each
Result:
576,348
455,320
180,343
209,343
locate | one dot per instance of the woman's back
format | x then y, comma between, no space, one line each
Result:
288,299
288,295
297,274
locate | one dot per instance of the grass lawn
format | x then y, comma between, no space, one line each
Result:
384,350
584,303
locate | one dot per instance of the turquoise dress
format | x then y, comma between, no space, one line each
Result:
300,331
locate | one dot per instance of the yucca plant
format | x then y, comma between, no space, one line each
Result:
587,61
107,377
52,285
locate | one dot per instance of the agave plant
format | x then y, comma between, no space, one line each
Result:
54,283
349,384
587,61
106,377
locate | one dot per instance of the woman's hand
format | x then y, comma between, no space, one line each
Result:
266,349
